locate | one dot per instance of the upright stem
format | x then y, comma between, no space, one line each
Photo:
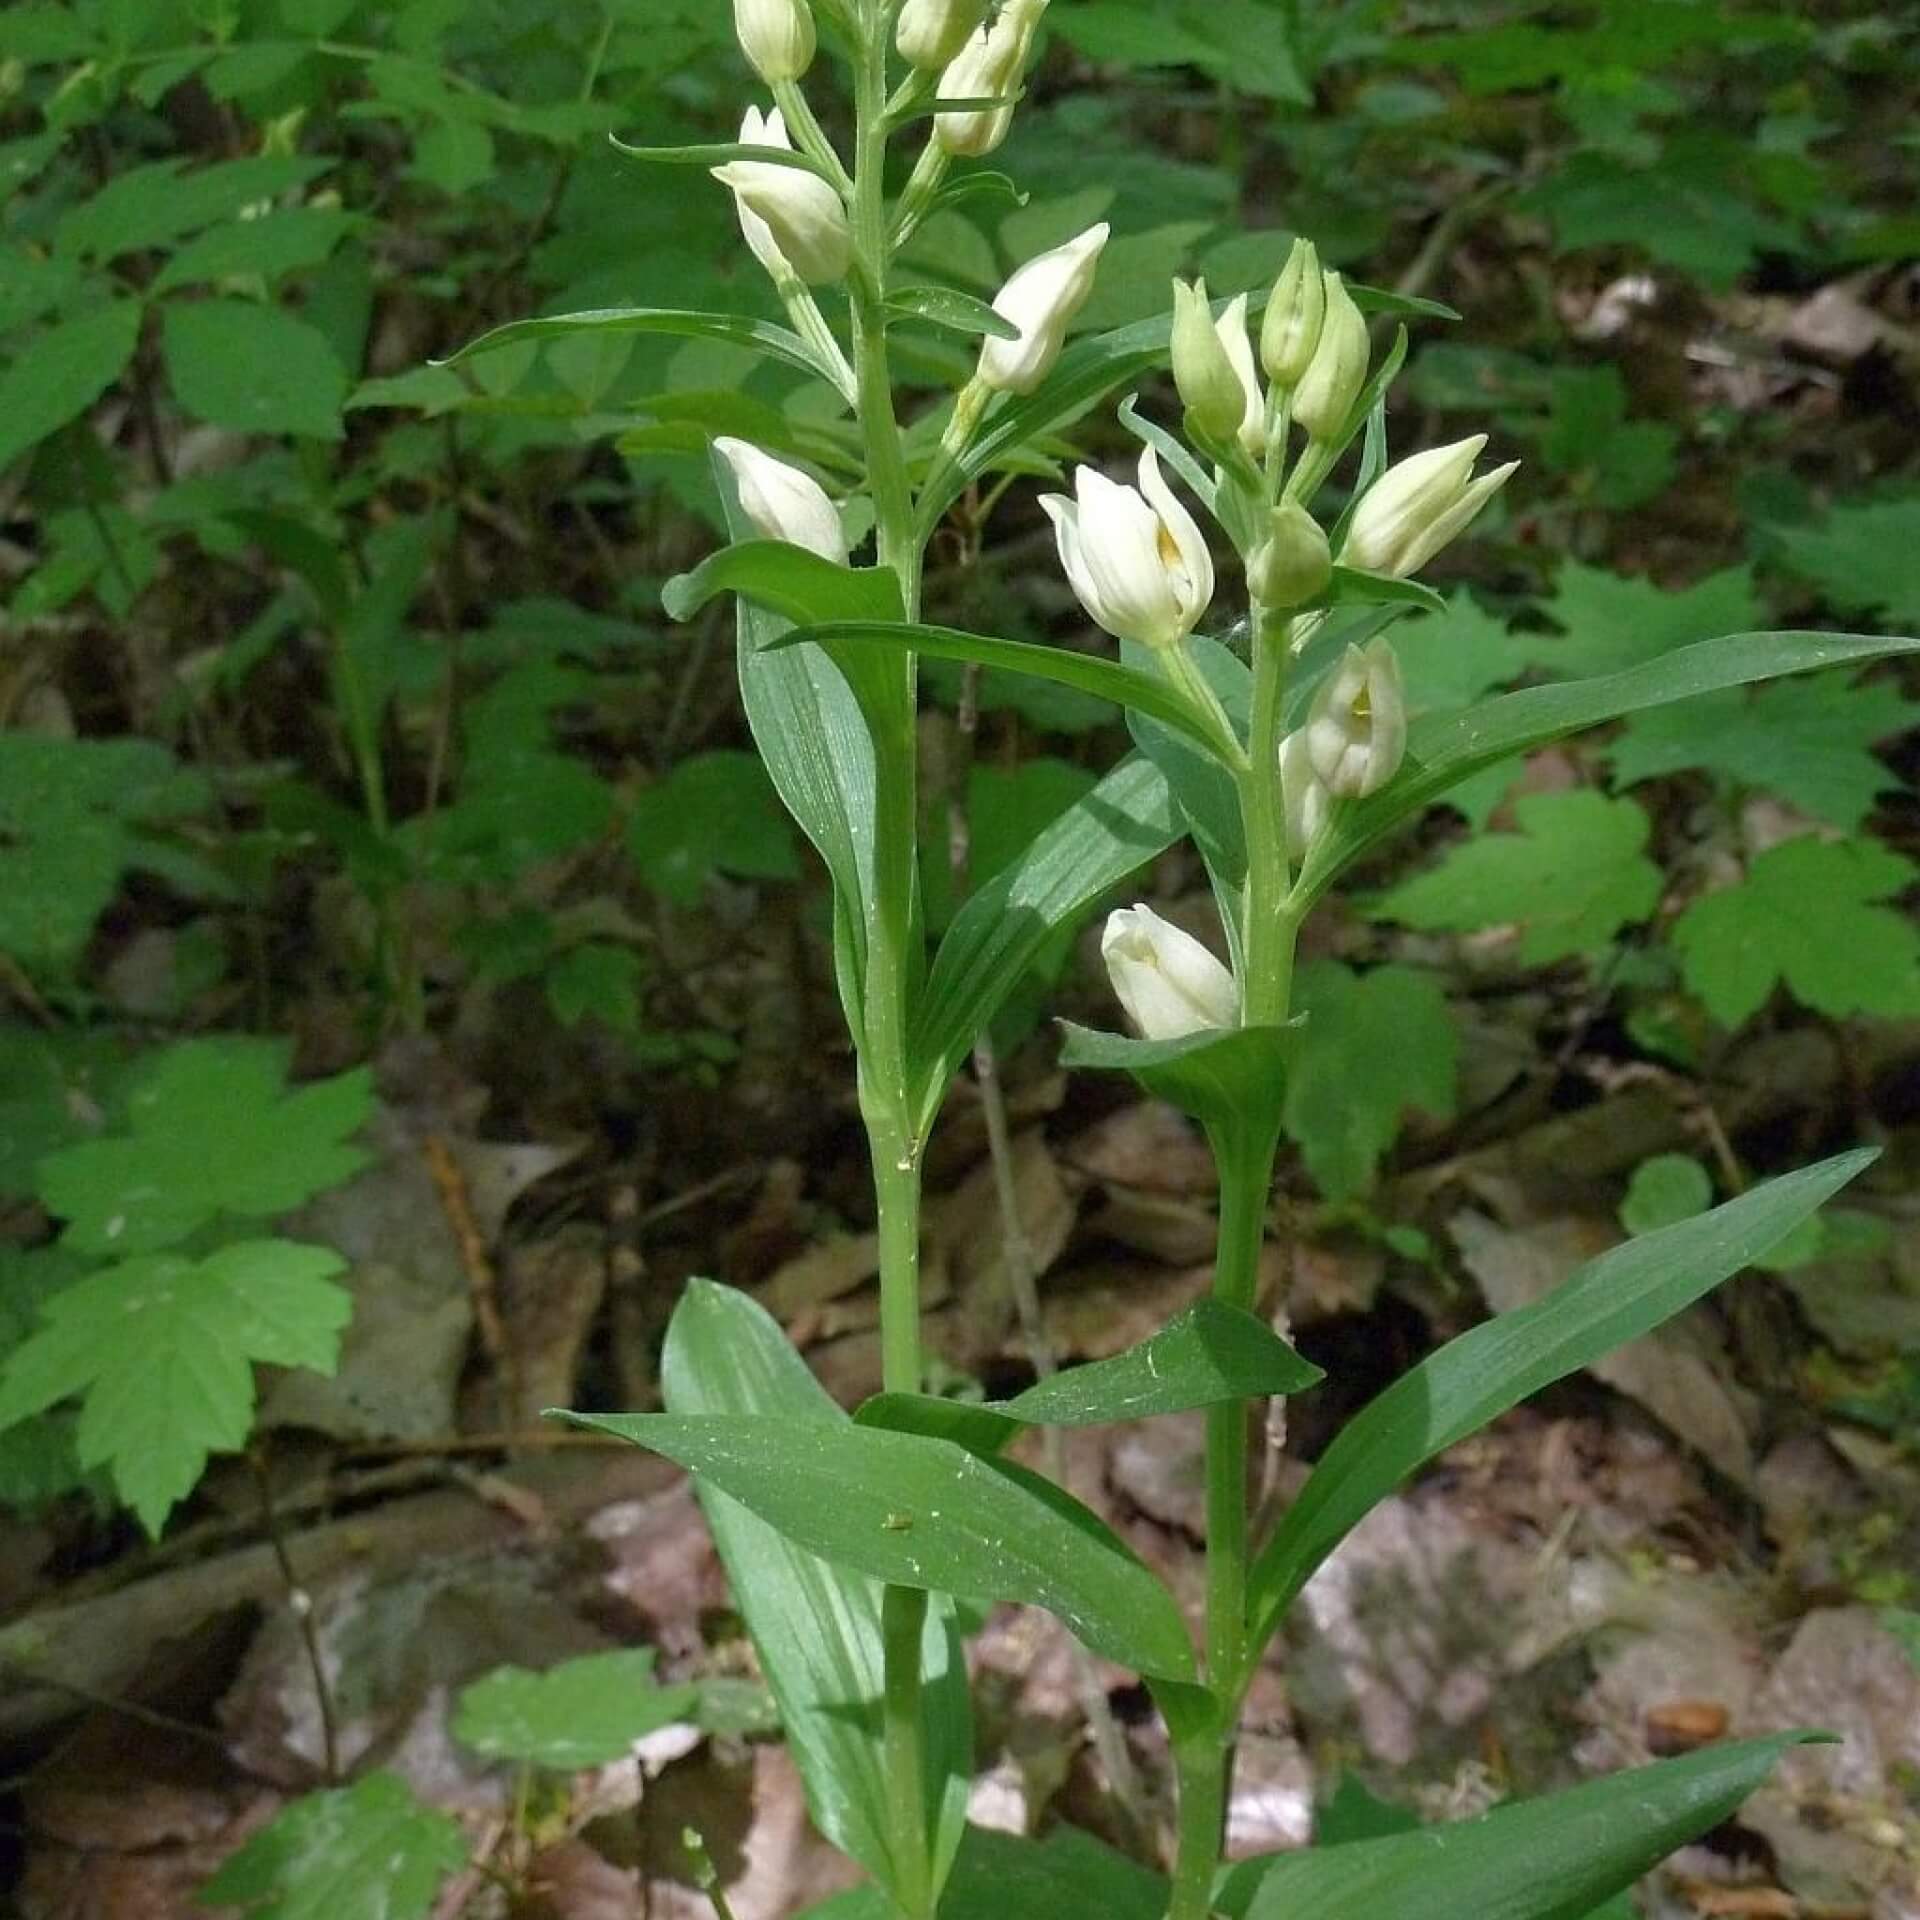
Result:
886,1084
1246,1156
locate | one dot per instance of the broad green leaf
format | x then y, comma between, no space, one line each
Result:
1090,673
1232,1081
150,205
282,243
63,372
1611,621
798,585
1203,787
214,1133
713,813
454,156
1210,1353
160,1352
1555,1858
735,329
254,369
1479,1376
56,1087
1808,740
1605,459
582,1713
1861,557
1665,1190
1121,825
1444,749
1573,874
1007,809
370,1851
1805,916
816,1626
1449,660
1372,1046
69,810
595,978
918,1512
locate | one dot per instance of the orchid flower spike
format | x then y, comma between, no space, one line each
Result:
1168,982
1418,505
793,220
1303,794
1135,556
1041,299
1357,726
1338,370
783,502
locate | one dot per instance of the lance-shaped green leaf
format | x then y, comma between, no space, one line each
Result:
1444,749
1354,587
1130,687
948,307
735,329
719,153
799,585
919,1512
1556,1858
1123,823
1479,1376
1206,1357
816,1626
1231,1080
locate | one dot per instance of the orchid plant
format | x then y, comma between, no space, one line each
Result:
1284,751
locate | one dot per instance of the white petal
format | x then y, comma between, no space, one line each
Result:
1193,584
1135,594
1168,982
1238,341
783,502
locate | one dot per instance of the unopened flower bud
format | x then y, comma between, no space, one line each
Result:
1290,330
988,67
802,221
932,32
1303,795
1357,727
783,502
1210,389
1136,558
1168,982
1294,563
1041,299
776,36
1418,505
1338,369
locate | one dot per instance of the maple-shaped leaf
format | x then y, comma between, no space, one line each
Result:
1862,557
370,1851
159,1351
1449,660
1609,621
1806,914
582,1713
1808,739
1373,1045
214,1133
1574,874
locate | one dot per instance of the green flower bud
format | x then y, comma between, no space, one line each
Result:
1338,370
1294,563
1210,387
776,36
1291,329
932,32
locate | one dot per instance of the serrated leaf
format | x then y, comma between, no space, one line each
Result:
254,369
1570,878
214,1133
370,1851
160,1352
68,809
582,1713
1806,916
1807,740
714,813
1861,557
279,244
1611,621
1480,1375
63,372
1608,460
1449,660
150,205
1373,1046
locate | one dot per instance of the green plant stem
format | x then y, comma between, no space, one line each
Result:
1270,930
1202,1766
886,1065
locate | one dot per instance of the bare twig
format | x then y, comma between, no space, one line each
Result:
451,1185
300,1602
